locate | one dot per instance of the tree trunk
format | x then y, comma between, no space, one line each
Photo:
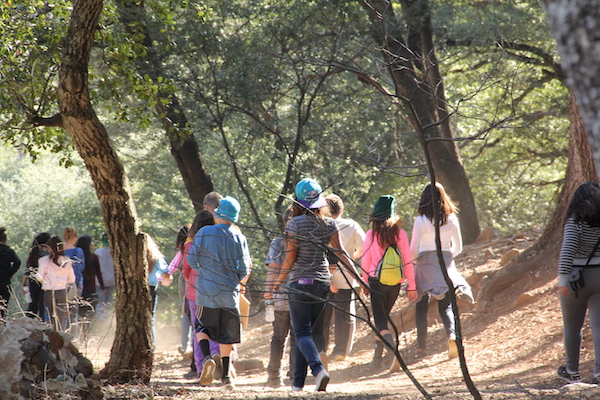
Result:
184,147
574,25
131,355
544,254
413,72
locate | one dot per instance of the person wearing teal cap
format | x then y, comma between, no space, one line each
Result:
220,255
386,231
308,235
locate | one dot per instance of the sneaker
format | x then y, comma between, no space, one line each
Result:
227,383
208,369
322,379
338,357
218,372
296,389
564,375
452,349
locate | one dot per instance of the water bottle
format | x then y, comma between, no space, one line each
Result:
27,294
269,311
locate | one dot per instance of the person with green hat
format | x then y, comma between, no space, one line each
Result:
386,231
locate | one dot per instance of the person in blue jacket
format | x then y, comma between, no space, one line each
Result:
220,255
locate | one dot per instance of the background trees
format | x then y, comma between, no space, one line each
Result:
275,91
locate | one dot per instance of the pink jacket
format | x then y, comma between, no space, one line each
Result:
189,273
373,251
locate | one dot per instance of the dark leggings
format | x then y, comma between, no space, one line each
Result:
383,298
445,311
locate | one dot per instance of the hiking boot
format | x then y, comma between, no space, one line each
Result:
208,369
218,372
452,349
565,376
322,379
227,383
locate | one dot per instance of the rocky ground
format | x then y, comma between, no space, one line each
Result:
511,352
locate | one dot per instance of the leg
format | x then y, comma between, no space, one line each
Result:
421,309
447,315
573,311
344,321
4,298
305,310
281,327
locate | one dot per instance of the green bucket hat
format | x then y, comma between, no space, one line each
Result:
384,207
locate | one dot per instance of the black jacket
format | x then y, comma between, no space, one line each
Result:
9,264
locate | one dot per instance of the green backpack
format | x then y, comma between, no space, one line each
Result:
390,268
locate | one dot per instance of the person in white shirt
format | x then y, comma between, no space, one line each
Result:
428,274
105,297
55,272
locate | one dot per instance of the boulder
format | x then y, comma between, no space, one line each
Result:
37,361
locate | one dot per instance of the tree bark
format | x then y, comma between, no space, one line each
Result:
131,354
184,147
419,87
575,26
544,254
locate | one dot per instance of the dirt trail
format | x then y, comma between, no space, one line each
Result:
512,348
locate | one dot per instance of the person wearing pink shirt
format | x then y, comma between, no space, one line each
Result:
386,230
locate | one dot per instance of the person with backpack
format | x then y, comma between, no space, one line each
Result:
579,278
386,240
428,274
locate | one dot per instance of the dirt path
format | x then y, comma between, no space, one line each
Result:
511,352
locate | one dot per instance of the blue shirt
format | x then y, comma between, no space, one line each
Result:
78,258
220,255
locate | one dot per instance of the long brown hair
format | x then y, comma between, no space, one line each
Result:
386,230
57,249
445,204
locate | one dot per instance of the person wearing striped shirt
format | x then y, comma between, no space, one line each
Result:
580,254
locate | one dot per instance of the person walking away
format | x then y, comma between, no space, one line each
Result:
202,219
429,276
91,274
106,297
31,285
9,264
281,321
176,265
308,235
385,231
221,258
157,266
352,236
579,278
55,271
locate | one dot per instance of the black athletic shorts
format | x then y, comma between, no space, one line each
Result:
222,325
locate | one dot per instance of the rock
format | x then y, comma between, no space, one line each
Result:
523,299
506,258
488,234
39,362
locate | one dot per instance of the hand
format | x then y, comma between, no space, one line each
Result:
412,296
365,290
333,288
564,291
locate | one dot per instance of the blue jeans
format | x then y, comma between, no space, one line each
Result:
306,303
446,314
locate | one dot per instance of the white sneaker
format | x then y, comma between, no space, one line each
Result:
322,379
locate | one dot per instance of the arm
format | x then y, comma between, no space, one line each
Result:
570,244
16,263
359,240
409,269
415,241
457,244
291,253
366,255
98,271
175,263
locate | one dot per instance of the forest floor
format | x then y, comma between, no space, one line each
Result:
513,347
